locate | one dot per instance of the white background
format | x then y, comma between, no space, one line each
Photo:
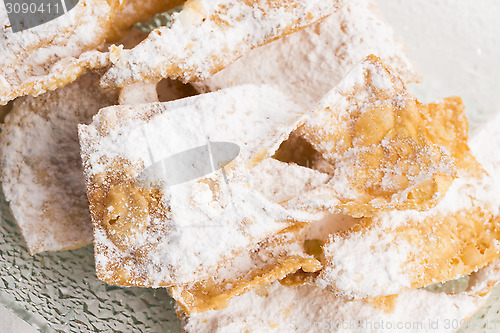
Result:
455,44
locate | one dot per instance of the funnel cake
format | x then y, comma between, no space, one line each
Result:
50,55
381,142
411,249
41,170
206,36
307,63
307,308
165,232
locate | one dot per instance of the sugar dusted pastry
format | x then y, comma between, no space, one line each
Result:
308,63
4,110
271,259
41,169
383,144
206,36
411,249
53,54
155,230
293,254
307,308
275,257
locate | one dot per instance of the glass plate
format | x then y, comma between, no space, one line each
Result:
60,292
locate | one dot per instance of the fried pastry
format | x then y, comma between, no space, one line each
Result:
292,256
41,170
410,249
152,229
272,259
53,54
382,143
307,308
4,110
206,36
307,63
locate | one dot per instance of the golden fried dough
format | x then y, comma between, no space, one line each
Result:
307,308
382,144
163,231
134,11
272,259
411,249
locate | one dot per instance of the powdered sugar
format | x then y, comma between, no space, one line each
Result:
362,266
205,224
484,144
28,56
383,268
311,61
309,309
360,127
279,181
206,36
41,168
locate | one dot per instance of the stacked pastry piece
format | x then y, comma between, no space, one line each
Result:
56,53
305,189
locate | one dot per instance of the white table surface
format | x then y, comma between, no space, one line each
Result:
455,44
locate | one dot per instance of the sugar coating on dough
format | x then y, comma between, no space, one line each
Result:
42,176
293,254
409,249
309,62
206,36
47,56
295,250
134,11
381,142
271,259
307,308
181,233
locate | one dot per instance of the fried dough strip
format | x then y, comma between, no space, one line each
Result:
384,146
280,309
411,249
41,172
159,236
309,62
206,36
